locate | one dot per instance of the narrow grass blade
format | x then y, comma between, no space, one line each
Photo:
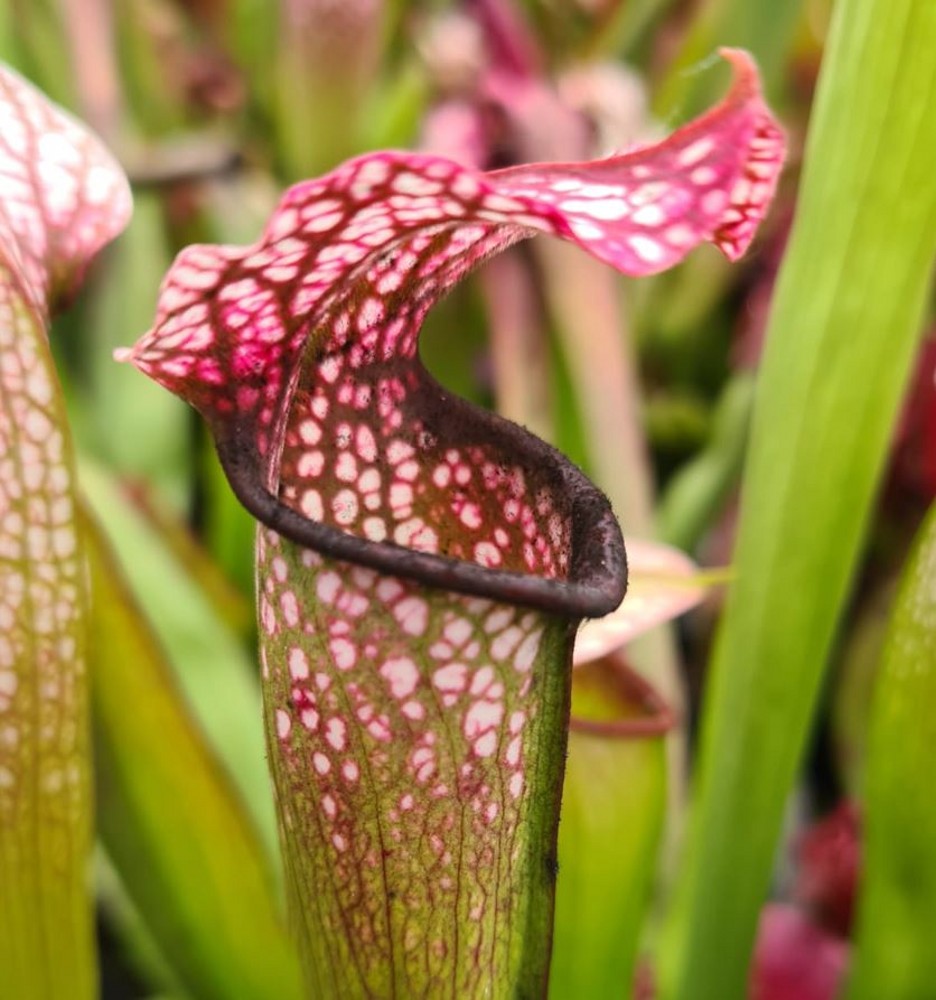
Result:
894,955
170,817
699,491
842,333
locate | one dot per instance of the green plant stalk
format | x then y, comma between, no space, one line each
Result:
606,865
842,334
145,36
206,889
894,955
326,63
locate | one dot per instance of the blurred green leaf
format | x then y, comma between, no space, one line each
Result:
169,816
122,919
842,334
328,58
613,802
763,27
394,109
894,953
856,672
625,26
211,667
233,608
698,491
136,429
152,37
33,41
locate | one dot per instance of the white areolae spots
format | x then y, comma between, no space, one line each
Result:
336,733
412,615
402,675
298,663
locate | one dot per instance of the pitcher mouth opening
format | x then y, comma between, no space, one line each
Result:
640,711
596,579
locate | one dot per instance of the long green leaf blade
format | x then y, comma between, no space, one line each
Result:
843,329
897,911
169,816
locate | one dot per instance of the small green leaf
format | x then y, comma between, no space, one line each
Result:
894,954
170,817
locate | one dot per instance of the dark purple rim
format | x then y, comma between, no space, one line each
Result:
597,577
